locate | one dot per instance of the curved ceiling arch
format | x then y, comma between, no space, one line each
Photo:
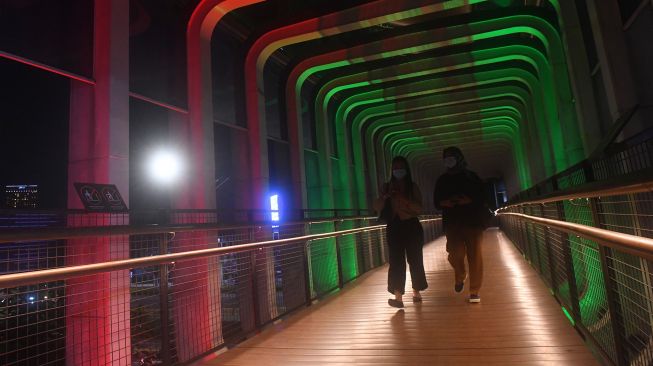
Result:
384,146
540,97
461,98
536,32
363,16
429,101
203,20
422,68
461,128
540,29
533,91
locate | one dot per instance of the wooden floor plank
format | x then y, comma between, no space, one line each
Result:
517,323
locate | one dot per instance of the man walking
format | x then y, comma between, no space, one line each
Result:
459,193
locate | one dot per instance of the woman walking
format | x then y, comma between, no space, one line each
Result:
404,232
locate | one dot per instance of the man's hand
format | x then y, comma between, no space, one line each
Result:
457,200
447,203
463,200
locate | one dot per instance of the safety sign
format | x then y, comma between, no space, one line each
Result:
100,197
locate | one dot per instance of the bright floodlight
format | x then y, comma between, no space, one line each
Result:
165,166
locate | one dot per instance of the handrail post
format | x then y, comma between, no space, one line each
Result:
549,252
256,308
338,255
524,237
535,210
307,273
618,331
163,299
569,264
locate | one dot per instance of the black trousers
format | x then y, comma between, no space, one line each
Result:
405,241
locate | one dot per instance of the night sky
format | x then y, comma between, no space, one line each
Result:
34,131
34,104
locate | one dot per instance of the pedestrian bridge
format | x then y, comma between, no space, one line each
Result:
567,282
517,323
248,139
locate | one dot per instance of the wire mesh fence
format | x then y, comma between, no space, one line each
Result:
607,292
175,312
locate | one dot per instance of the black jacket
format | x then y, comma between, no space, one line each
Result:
463,182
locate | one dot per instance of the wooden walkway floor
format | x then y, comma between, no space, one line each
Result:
517,323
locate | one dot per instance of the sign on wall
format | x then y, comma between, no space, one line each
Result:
100,197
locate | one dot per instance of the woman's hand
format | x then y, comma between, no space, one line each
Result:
403,202
392,193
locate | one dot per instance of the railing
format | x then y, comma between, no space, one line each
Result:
16,218
593,248
169,294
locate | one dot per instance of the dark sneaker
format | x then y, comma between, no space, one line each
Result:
395,303
459,287
474,299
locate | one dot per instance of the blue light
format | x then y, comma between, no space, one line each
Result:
274,207
274,215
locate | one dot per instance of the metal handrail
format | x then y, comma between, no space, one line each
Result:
26,278
43,234
593,190
558,259
636,245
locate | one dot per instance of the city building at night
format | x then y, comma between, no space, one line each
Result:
22,196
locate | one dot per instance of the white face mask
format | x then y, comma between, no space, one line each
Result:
450,162
399,173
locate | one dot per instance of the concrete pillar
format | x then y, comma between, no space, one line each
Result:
195,306
202,305
98,306
613,56
580,74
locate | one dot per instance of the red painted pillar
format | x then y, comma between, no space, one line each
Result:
98,306
196,306
195,297
195,294
195,311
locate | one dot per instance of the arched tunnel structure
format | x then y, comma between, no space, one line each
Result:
275,123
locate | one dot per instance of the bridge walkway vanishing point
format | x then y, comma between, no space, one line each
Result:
517,323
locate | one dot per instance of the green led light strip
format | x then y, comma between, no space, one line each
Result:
442,100
538,33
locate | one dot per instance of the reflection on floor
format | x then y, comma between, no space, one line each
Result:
517,323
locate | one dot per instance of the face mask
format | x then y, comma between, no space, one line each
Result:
450,162
399,173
